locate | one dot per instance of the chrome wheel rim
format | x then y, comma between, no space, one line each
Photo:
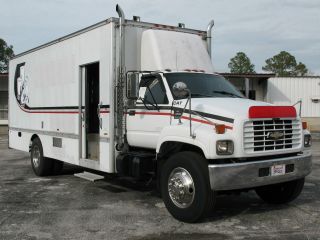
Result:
181,187
36,156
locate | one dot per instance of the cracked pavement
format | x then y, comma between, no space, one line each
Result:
67,207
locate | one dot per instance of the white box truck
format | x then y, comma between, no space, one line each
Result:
139,99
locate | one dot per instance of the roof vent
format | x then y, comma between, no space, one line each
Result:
136,18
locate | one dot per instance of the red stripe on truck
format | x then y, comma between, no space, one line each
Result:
272,112
141,113
183,117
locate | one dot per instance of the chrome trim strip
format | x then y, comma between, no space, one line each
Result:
49,133
245,175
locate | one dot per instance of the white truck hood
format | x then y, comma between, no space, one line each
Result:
233,108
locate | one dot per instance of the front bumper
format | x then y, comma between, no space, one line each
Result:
246,175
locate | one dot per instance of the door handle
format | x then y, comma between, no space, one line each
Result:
100,123
99,115
98,110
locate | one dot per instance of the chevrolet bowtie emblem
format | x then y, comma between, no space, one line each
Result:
275,135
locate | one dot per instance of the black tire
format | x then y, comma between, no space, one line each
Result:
44,166
281,193
204,197
57,167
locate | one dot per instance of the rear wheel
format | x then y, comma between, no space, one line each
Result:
41,166
57,167
185,186
281,192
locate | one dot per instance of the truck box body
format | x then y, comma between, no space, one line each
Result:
49,106
51,75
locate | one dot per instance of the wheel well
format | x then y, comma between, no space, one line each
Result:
34,136
171,147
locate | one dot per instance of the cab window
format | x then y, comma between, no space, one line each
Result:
153,91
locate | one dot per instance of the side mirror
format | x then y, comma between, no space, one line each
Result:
180,90
133,85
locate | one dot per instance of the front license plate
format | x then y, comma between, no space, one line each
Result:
277,170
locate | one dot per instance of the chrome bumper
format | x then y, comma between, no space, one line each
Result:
246,175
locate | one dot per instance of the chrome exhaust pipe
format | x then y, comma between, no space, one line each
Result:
121,35
120,103
209,36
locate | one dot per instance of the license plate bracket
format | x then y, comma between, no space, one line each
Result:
277,170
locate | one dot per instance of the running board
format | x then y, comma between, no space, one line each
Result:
89,176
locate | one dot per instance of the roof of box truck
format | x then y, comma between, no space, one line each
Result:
131,23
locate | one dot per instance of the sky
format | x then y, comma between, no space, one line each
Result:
260,28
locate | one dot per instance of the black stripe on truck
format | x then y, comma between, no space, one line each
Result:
203,114
60,107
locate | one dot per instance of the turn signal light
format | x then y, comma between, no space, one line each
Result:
304,125
220,128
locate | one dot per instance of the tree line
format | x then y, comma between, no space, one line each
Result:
282,64
6,52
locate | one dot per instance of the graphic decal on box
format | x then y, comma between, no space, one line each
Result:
21,85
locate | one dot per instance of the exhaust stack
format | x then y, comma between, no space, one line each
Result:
121,36
209,36
120,103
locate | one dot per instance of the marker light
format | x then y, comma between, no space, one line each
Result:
220,128
304,125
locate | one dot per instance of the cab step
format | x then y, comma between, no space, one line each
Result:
89,176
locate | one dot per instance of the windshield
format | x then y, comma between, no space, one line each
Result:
204,85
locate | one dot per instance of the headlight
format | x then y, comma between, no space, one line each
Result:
307,140
224,147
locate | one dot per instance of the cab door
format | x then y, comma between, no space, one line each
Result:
150,114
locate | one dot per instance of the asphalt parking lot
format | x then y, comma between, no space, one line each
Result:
67,207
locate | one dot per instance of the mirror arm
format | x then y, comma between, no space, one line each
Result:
144,103
155,103
190,112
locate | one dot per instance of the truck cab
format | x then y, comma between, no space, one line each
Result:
209,138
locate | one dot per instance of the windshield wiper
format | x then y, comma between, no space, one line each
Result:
200,95
227,93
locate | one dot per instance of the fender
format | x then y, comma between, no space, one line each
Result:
180,133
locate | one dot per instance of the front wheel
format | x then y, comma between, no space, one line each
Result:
185,186
281,193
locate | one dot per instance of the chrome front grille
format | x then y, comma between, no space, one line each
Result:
271,135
